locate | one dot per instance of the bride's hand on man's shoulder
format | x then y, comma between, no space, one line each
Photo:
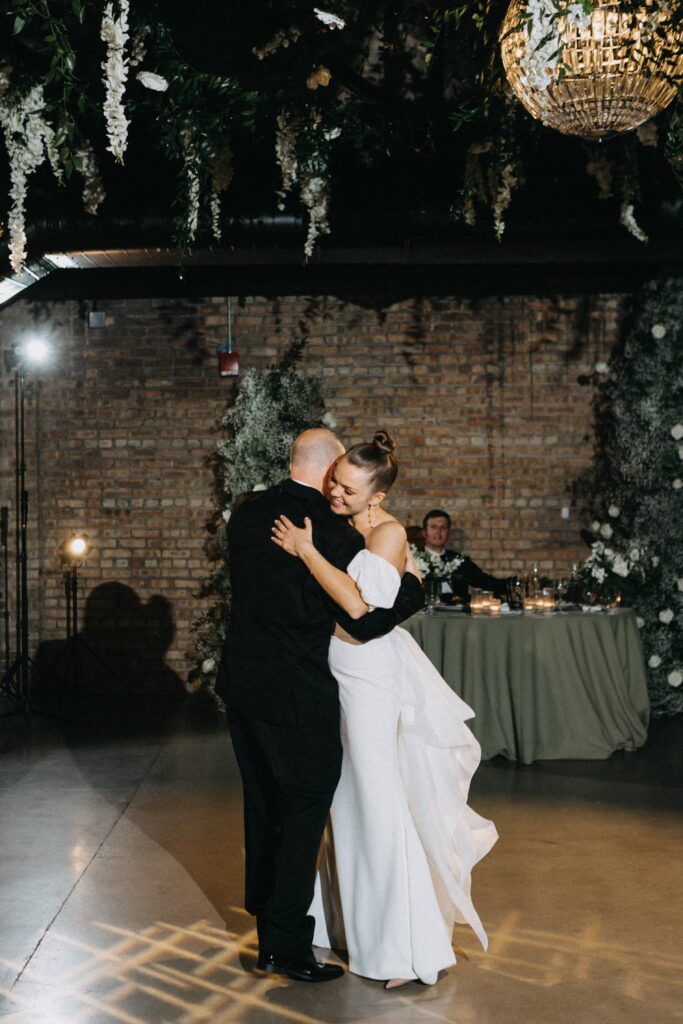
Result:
292,539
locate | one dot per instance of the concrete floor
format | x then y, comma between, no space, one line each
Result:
121,877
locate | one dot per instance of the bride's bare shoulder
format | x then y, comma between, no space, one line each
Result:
387,537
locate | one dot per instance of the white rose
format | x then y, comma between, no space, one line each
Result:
666,616
226,514
208,665
620,566
634,554
675,678
639,622
614,511
606,531
677,484
329,421
608,552
654,661
601,367
151,81
655,560
595,526
658,331
329,20
260,487
677,432
598,573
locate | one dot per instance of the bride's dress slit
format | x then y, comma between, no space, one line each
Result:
397,876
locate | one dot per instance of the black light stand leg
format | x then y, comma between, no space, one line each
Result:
4,538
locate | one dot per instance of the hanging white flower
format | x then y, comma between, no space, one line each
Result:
601,367
329,20
677,484
675,678
666,616
628,219
192,187
114,32
654,661
677,432
157,83
614,511
315,196
215,207
29,139
138,46
226,513
285,154
606,531
208,665
329,421
659,331
93,188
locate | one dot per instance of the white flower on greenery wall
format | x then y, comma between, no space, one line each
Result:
614,511
677,484
654,661
329,20
677,432
606,531
601,367
666,616
659,331
329,421
208,665
675,678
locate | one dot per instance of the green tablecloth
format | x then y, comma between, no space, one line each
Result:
568,685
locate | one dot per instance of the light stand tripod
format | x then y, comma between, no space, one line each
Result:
15,683
4,539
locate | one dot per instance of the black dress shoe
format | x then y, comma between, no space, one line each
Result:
299,968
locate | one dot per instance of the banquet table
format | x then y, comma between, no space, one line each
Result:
566,685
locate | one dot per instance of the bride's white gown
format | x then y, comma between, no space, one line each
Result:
395,866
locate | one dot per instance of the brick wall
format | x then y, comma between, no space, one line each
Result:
482,397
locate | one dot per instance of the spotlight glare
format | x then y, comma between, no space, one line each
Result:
77,546
36,350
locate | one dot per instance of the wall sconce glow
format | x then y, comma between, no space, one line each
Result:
35,350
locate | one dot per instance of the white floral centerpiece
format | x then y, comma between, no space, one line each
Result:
606,574
433,567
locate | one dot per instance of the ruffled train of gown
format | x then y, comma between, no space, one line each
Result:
395,867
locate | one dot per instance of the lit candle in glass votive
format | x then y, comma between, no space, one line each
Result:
530,604
494,607
548,599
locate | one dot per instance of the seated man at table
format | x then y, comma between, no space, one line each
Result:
436,527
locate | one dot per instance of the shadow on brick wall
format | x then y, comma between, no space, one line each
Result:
113,675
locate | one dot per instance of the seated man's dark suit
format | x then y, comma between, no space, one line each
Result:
468,574
283,702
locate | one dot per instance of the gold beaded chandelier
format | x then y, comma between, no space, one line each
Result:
620,68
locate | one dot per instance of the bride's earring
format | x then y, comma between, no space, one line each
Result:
371,516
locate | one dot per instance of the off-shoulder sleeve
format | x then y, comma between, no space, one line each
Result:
377,579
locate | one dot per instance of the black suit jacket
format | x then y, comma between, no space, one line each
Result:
468,574
274,665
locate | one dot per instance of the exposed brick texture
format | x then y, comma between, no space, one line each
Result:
482,398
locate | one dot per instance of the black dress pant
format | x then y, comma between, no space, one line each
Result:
289,777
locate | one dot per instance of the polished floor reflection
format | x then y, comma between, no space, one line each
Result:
121,861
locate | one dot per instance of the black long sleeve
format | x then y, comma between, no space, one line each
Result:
409,600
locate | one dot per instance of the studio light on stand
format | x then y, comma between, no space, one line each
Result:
73,553
15,683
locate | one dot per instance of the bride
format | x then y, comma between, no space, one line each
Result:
394,875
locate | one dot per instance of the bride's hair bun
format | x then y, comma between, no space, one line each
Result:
384,441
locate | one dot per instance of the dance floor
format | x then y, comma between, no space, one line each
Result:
121,876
